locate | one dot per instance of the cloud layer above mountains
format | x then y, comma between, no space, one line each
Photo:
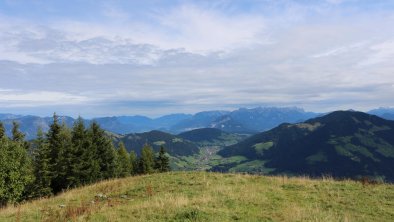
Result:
128,57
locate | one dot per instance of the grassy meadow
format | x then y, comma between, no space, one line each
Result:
203,196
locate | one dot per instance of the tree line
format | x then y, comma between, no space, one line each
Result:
65,158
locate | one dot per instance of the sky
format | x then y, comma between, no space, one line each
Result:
104,58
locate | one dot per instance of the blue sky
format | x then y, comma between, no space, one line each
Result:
103,58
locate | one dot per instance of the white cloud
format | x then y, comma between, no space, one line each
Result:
187,27
15,98
198,29
381,52
340,50
193,57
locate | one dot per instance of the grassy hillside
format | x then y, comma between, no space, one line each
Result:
201,196
344,144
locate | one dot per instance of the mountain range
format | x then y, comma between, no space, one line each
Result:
386,113
342,144
240,121
243,120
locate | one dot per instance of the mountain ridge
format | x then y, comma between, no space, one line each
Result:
342,144
171,123
242,120
173,144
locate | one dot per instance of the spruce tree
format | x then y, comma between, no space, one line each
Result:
63,173
105,151
124,165
85,167
42,171
133,162
54,145
162,162
2,130
17,135
146,161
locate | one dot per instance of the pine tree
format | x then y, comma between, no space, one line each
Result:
162,162
124,164
42,171
146,161
105,151
133,162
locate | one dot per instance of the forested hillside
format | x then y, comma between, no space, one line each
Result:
343,144
175,145
66,158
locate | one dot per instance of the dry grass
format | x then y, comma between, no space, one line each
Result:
201,196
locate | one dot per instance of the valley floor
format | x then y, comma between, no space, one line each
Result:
202,196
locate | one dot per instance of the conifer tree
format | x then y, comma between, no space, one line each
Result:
133,162
2,130
53,137
75,154
17,135
63,174
42,171
85,167
105,151
54,141
146,161
162,162
124,164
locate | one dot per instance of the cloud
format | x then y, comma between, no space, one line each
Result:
15,98
381,52
197,29
190,57
124,41
44,45
340,50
